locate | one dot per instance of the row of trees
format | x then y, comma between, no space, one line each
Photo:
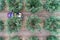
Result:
30,5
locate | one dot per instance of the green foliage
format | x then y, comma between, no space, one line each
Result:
33,38
52,24
15,5
15,38
2,4
1,38
33,5
51,37
14,24
33,23
52,5
1,25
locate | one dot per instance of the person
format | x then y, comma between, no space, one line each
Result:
10,14
20,15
